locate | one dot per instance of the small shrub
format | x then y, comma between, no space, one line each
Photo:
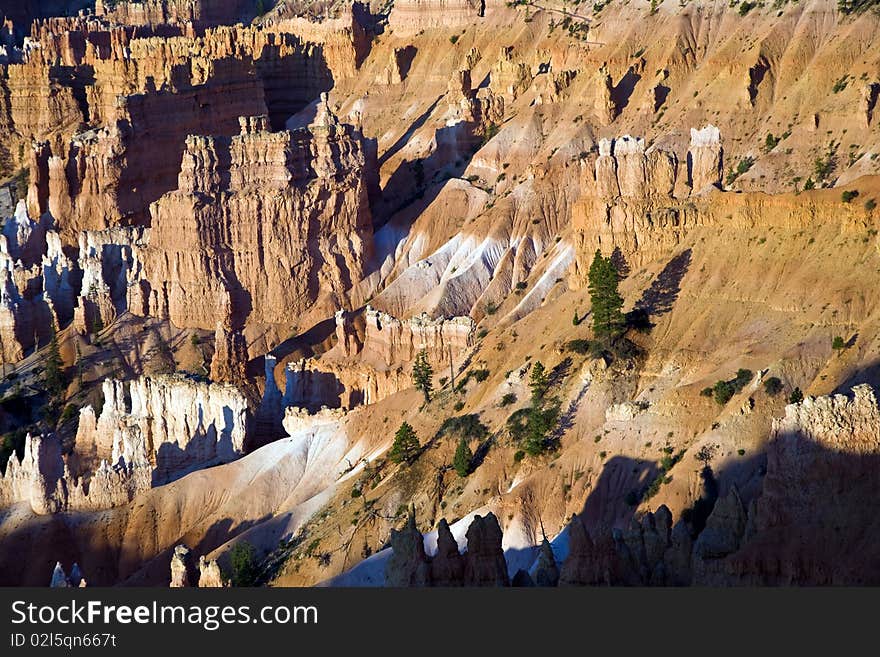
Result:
824,166
773,386
870,204
579,346
796,396
458,406
744,165
723,392
838,343
518,456
67,414
848,195
706,454
508,399
468,426
481,375
453,39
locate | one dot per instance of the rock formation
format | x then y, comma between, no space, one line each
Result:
43,285
624,168
547,572
60,579
411,16
112,125
34,478
409,565
281,211
510,75
482,564
110,262
210,575
180,567
603,104
484,559
447,565
183,570
162,12
172,425
372,359
705,159
43,480
818,500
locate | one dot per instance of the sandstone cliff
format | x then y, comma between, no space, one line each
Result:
169,424
285,216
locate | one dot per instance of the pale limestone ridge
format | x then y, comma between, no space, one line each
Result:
172,424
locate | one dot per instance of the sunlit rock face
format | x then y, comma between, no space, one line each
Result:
170,424
286,215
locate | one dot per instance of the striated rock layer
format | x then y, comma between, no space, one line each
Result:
111,122
814,521
168,424
153,432
371,360
267,223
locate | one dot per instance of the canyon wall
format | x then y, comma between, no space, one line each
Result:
148,433
411,16
371,360
171,424
284,216
199,12
112,120
633,201
44,289
813,521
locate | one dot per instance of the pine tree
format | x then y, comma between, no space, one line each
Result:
423,374
538,382
463,457
406,444
608,320
243,559
54,376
